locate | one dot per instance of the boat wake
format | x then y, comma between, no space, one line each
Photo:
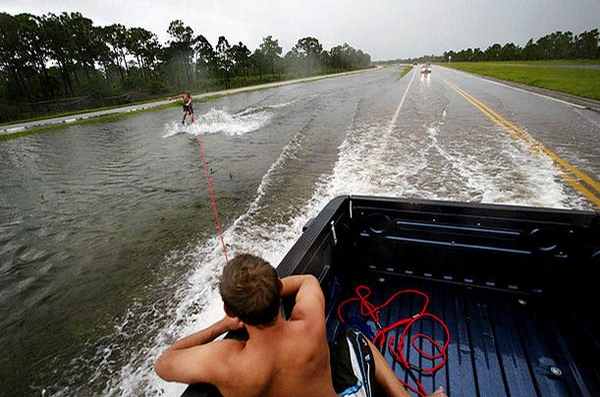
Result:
219,121
175,128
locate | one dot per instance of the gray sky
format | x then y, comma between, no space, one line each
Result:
385,29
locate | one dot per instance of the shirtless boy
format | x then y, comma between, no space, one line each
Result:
281,357
187,105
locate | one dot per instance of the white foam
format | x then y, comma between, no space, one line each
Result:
197,304
221,121
175,128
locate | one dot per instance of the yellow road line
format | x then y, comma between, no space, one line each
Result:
585,184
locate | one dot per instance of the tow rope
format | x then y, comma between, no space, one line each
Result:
369,310
212,197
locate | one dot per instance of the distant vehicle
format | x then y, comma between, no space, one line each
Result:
415,64
426,68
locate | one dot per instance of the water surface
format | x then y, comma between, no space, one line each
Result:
109,248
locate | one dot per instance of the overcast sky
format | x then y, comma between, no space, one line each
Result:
385,29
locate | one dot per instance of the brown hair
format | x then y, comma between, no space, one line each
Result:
249,287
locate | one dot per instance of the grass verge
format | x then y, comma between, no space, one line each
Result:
405,70
557,76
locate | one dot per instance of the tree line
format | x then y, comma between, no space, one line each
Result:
557,45
60,63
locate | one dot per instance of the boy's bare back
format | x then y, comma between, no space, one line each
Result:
280,357
290,359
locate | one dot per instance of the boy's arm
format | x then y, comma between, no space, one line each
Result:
309,295
190,359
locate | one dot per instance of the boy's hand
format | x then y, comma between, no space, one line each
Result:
232,323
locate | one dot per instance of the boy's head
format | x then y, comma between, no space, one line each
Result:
250,289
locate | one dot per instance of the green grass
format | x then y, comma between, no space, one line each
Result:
556,75
51,127
405,70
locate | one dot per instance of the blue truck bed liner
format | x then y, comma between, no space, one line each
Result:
499,345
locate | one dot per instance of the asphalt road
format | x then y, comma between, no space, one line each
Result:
561,127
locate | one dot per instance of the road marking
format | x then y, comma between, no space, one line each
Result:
393,121
392,124
585,184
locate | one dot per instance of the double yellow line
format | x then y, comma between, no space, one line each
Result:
578,179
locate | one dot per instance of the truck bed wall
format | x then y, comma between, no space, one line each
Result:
514,249
512,282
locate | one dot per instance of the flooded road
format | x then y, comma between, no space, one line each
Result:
108,244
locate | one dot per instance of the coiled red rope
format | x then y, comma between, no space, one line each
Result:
212,197
369,310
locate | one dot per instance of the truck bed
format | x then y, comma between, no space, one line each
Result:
501,344
515,287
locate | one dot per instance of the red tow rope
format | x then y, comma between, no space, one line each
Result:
212,197
367,309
